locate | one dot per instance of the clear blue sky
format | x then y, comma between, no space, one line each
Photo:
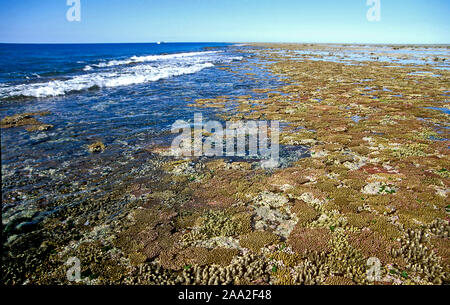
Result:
402,21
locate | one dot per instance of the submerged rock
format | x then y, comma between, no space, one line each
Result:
40,127
97,147
26,119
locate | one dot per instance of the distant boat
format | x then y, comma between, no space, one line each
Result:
159,42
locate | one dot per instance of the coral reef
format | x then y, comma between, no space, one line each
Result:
243,270
373,184
310,239
258,239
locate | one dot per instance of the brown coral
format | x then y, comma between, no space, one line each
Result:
309,239
258,239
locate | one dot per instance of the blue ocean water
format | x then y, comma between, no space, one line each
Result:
127,85
51,70
125,95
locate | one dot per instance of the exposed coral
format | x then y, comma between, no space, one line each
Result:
258,239
309,239
346,260
415,249
305,213
338,281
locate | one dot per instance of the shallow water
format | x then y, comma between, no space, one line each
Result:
444,110
128,98
356,55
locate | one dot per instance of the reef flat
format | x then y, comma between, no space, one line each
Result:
374,184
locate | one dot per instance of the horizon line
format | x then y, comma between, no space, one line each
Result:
227,42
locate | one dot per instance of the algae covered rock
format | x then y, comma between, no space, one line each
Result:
96,147
39,127
26,119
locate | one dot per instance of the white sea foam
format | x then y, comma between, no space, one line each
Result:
102,80
142,59
152,68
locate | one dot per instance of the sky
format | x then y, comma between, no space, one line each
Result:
319,21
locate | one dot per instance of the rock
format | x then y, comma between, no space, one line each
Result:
39,127
97,147
340,129
23,119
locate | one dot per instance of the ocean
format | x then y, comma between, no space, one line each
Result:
125,95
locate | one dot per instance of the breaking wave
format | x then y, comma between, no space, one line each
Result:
142,59
117,73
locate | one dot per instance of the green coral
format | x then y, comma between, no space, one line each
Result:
217,223
346,260
410,150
